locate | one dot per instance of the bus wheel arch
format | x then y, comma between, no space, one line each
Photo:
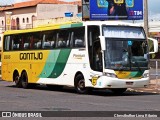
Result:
79,83
16,79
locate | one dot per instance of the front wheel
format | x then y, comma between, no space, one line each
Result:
118,91
80,84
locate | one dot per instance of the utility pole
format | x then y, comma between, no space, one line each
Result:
146,16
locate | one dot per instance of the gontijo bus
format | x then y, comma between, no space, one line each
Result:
93,54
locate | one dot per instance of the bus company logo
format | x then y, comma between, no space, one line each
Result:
78,56
31,56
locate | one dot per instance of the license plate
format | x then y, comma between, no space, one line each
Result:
129,83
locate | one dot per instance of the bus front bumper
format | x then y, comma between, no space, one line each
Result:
108,82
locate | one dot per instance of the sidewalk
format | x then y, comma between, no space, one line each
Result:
154,87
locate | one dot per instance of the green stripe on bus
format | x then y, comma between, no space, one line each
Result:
60,63
76,24
137,74
50,64
55,63
65,26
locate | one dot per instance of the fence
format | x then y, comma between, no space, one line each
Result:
155,72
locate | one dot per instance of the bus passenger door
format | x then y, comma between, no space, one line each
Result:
94,48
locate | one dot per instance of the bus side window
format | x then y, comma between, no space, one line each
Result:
61,43
79,42
7,43
15,42
26,45
37,40
78,37
49,40
26,41
46,44
63,39
31,42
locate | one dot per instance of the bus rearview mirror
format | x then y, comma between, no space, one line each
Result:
155,45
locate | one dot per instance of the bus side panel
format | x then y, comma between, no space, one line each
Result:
54,66
33,63
77,62
6,66
5,75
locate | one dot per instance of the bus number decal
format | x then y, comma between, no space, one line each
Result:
31,56
7,57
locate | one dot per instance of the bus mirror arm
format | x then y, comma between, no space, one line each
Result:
103,42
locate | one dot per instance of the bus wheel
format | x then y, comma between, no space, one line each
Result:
118,91
17,80
24,80
80,84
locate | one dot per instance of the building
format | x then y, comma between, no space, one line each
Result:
22,15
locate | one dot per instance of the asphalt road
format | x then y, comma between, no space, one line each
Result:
43,99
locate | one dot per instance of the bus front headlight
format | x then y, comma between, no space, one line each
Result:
145,75
110,75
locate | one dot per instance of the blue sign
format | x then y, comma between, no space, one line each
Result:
68,14
129,43
116,9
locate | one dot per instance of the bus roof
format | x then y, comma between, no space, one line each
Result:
70,25
116,23
45,27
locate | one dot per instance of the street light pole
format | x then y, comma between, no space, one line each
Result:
146,16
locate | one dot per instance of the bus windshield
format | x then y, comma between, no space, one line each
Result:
126,49
126,55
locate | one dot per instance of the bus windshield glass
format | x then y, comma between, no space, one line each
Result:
125,52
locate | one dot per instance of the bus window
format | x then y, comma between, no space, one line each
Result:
78,37
7,43
36,41
49,40
16,41
26,40
63,39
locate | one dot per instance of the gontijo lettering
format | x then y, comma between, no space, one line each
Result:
31,56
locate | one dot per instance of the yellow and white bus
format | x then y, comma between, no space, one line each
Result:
84,55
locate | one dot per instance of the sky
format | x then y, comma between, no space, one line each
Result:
153,6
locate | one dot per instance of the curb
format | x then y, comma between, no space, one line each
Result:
152,88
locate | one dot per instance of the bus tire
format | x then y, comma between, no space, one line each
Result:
118,91
80,84
24,80
17,80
